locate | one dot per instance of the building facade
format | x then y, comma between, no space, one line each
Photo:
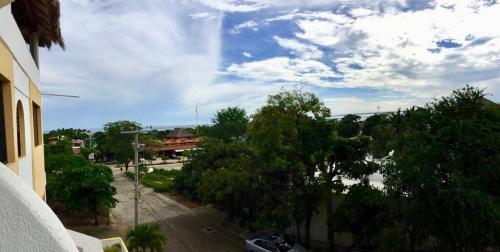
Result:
21,140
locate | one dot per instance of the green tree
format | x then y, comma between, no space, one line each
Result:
81,187
144,237
361,213
443,181
349,126
119,144
229,124
373,122
281,135
338,157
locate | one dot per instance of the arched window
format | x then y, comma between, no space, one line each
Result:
21,143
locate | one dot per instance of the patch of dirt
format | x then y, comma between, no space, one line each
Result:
183,200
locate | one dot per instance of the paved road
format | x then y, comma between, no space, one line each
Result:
186,229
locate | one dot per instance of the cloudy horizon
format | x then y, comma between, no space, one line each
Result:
154,61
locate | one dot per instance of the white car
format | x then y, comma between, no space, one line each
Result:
263,242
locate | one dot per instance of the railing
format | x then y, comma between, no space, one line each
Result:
115,242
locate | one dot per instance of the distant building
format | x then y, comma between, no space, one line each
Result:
77,145
175,143
26,222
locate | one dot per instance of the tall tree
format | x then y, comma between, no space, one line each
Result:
229,123
119,144
280,134
445,173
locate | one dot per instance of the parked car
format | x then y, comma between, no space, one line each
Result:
264,242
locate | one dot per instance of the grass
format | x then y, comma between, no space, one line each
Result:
160,180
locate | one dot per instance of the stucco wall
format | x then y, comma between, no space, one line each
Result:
22,90
21,78
26,222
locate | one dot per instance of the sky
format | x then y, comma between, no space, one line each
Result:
155,61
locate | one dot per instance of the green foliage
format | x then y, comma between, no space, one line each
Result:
229,124
114,248
130,175
144,237
443,181
67,133
349,126
210,155
372,122
79,186
360,213
160,180
117,143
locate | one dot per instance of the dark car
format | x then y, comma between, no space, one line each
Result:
264,242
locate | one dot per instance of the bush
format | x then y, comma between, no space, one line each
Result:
130,175
160,180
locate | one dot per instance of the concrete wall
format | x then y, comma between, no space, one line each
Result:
22,91
26,222
319,229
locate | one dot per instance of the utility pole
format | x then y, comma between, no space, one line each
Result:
197,125
136,183
136,177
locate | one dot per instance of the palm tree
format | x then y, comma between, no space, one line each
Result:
145,236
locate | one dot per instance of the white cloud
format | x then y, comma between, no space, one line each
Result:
361,12
392,48
299,49
285,70
206,15
247,54
252,25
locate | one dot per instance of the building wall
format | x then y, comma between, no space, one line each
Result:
20,80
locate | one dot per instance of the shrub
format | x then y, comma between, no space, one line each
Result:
160,180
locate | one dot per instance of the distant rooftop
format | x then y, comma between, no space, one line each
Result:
179,133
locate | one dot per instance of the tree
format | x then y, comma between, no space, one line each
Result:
443,181
119,144
373,122
339,157
229,124
81,187
281,135
360,213
144,237
349,126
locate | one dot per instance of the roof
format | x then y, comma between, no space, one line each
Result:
41,17
179,133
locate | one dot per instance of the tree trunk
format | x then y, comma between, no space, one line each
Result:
330,222
297,227
307,231
126,166
96,217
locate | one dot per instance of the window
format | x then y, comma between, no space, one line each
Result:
37,129
3,140
21,143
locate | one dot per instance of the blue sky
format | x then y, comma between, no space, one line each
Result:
154,61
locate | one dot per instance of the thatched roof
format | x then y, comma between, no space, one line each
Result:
179,133
40,16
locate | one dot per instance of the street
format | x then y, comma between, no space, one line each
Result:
186,229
